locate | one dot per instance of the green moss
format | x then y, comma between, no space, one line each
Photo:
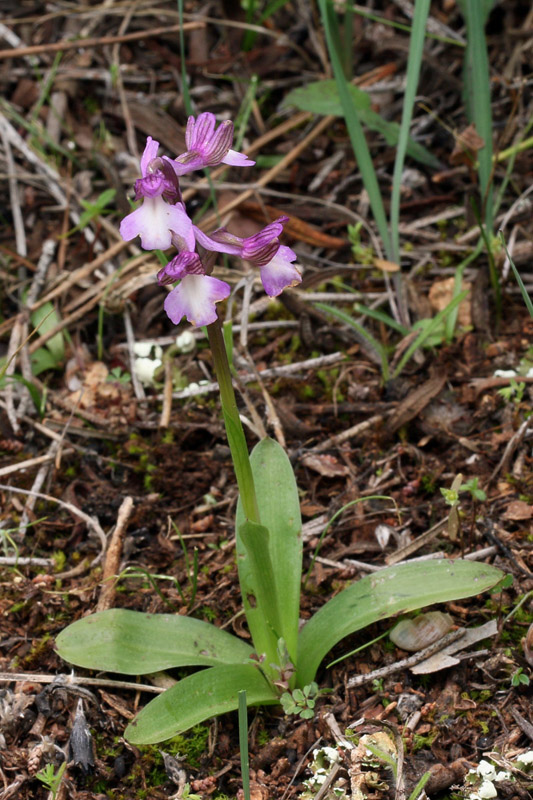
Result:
428,484
38,647
420,742
60,560
168,437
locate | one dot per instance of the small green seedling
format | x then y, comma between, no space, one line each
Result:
51,778
519,678
118,375
514,392
301,702
471,486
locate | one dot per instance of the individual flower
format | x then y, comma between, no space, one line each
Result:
159,213
207,147
196,295
263,250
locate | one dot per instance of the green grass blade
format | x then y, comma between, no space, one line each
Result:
417,791
521,143
414,61
400,26
243,744
374,344
451,319
196,698
525,295
428,331
347,41
381,316
478,106
390,591
133,643
355,131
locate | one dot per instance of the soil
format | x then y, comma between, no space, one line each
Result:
75,427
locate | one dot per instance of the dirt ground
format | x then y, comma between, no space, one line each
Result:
80,433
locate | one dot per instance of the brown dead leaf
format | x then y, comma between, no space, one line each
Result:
466,147
324,465
295,227
386,266
415,402
518,510
441,295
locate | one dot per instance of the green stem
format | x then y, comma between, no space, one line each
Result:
234,431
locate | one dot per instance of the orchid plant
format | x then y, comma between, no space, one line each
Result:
281,658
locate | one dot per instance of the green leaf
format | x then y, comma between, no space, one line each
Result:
391,133
353,123
279,510
390,591
381,316
322,97
45,318
41,360
93,210
39,400
256,578
196,698
133,643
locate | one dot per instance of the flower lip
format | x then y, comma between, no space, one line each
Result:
280,272
195,298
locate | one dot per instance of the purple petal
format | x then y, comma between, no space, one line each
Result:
188,162
150,152
185,263
227,243
236,159
263,246
198,133
219,144
195,298
152,185
182,228
280,272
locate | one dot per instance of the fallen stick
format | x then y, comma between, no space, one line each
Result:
113,556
